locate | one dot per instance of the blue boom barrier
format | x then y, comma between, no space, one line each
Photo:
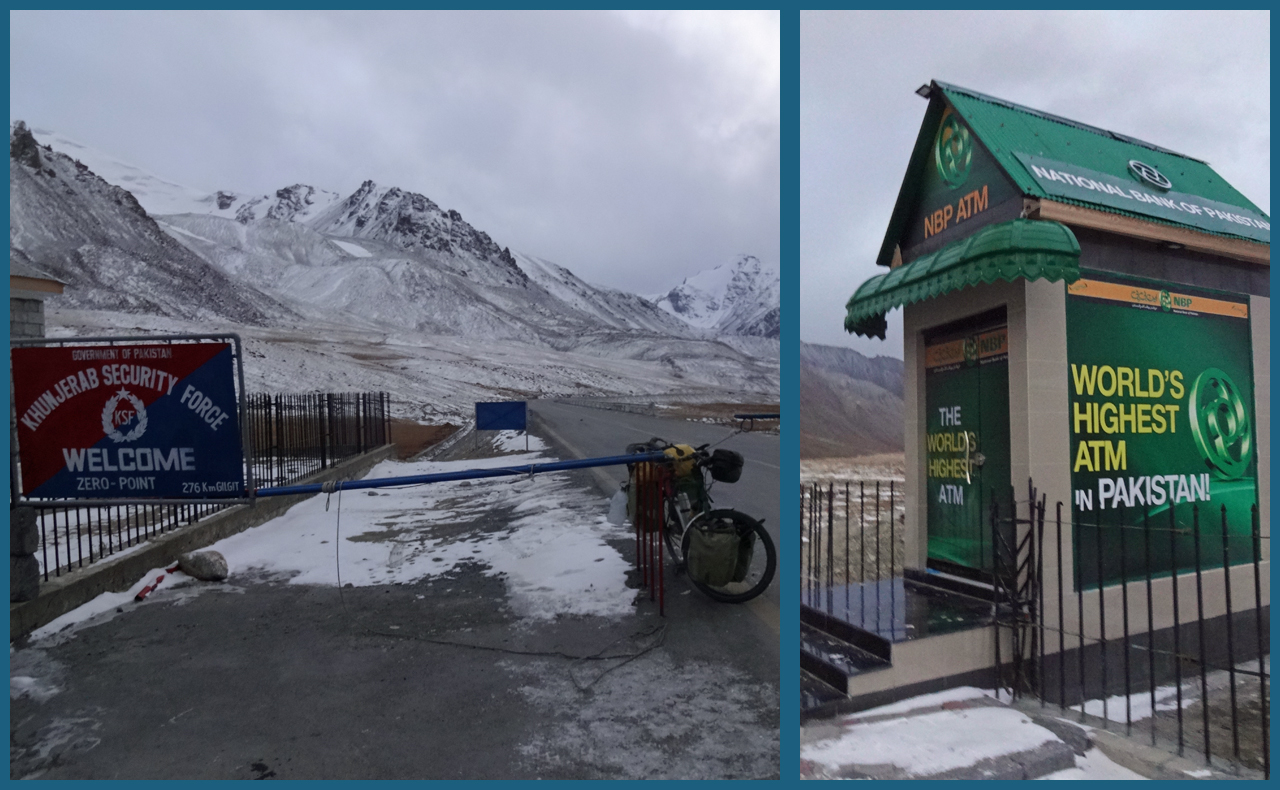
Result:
466,474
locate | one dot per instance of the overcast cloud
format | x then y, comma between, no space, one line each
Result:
633,148
1196,82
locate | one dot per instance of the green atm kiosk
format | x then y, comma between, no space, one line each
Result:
1086,318
1085,313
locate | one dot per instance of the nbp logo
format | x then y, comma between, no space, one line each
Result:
124,410
953,152
1220,424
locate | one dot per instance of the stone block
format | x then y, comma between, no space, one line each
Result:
24,534
205,565
24,578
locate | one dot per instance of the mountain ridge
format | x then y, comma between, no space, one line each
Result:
364,291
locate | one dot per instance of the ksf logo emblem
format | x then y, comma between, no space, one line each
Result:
128,421
114,417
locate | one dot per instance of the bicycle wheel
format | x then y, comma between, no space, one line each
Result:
763,561
671,534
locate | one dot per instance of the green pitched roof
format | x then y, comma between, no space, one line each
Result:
1005,127
1006,130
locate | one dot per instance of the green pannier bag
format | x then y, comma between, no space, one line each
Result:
713,553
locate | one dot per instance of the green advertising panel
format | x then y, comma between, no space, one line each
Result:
1162,428
966,445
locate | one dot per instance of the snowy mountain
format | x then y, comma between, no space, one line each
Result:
155,194
740,298
382,267
618,309
96,238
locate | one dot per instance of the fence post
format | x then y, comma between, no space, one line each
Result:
326,417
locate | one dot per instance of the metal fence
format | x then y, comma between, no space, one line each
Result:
1157,623
851,539
290,437
295,435
1193,674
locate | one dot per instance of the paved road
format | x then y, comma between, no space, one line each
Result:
258,678
583,432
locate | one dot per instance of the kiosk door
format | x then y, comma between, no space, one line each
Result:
966,445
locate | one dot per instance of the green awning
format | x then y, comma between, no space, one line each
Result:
1023,248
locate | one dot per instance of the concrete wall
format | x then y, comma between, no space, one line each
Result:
26,317
922,660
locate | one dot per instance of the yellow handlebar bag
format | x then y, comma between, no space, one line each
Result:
682,459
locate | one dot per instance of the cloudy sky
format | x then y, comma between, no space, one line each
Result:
1197,83
633,148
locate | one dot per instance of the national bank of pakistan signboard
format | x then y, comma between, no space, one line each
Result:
1161,200
1162,427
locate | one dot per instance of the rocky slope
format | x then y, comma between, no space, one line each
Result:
97,239
850,405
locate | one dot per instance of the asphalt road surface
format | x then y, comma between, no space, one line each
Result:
256,678
585,432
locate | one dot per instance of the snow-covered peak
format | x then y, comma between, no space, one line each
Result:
738,298
155,194
414,222
298,203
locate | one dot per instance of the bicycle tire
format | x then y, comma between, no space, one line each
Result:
671,533
738,592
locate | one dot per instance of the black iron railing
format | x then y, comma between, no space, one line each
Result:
1195,674
851,538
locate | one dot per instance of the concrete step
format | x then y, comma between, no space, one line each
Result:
814,692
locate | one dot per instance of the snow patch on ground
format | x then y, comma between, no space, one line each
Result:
931,743
514,442
925,701
547,537
1139,703
39,686
1096,765
62,628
